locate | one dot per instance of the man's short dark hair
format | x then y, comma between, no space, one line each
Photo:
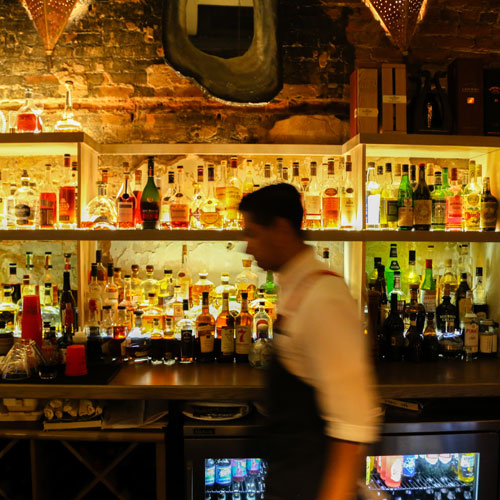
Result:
278,200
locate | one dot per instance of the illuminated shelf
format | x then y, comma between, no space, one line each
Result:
215,235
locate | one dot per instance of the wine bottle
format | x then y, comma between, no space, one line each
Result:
68,307
422,202
393,329
150,200
405,202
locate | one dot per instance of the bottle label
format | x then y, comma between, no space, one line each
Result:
178,312
239,469
187,343
313,206
205,333
454,207
210,475
67,315
428,299
447,323
179,212
227,340
125,212
243,339
347,211
422,212
23,214
223,474
471,337
489,214
262,328
472,218
486,343
392,210
331,209
373,210
233,197
209,218
46,216
405,213
438,212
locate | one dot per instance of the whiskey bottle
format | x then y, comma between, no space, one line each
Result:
48,200
202,285
414,307
179,206
210,209
126,203
151,313
470,328
225,332
205,329
347,199
472,201
244,325
422,203
489,208
150,200
312,202
25,203
330,201
110,293
67,197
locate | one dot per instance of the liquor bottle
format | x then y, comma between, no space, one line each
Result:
137,192
431,343
137,342
489,208
107,321
226,324
173,308
224,286
372,198
438,215
100,213
413,177
187,330
8,309
414,307
244,323
220,185
279,171
67,197
166,200
372,277
414,345
270,287
313,200
205,330
157,343
50,311
122,324
411,277
233,197
480,305
446,314
152,312
422,203
117,278
67,307
68,122
470,328
10,208
110,293
128,298
179,207
198,195
393,329
454,204
394,266
461,295
296,179
94,295
48,200
330,199
464,265
405,202
428,294
150,284
165,288
388,201
184,275
211,216
398,292
246,281
126,203
150,199
14,282
262,323
136,284
267,180
101,270
248,182
472,201
202,285
28,115
430,176
25,202
347,199
448,279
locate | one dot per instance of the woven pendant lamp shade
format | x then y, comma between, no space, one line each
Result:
50,18
399,18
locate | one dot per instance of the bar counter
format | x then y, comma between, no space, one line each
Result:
480,378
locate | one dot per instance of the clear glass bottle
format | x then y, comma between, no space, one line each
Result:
166,200
470,328
150,284
262,323
122,324
8,309
28,118
94,295
165,288
100,212
248,182
233,197
348,199
313,200
211,216
173,308
110,293
448,279
126,202
480,304
247,280
10,208
224,286
48,200
205,330
179,206
68,122
184,275
152,312
25,202
198,195
372,198
202,285
472,201
330,198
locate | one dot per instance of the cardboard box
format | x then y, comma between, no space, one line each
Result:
364,101
465,82
393,98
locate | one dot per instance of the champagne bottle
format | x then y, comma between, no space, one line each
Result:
150,200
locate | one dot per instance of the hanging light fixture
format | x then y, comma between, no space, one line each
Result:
50,18
398,18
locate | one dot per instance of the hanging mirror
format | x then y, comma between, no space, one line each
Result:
227,46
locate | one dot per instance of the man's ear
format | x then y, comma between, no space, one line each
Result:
283,227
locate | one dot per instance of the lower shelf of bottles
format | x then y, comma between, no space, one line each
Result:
422,482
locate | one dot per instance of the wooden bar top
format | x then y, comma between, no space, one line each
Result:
444,379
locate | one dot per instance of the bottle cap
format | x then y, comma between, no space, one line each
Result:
479,271
428,263
413,255
79,337
463,276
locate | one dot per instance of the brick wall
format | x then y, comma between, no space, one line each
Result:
124,92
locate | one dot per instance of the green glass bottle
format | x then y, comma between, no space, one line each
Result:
405,202
422,202
438,216
150,199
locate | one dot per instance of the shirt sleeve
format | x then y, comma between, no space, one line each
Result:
337,363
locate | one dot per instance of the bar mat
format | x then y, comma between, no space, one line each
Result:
97,375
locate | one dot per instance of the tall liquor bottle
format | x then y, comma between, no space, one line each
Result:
438,196
454,204
233,197
480,306
394,266
150,199
179,207
126,203
25,204
226,325
422,202
411,277
110,292
137,192
446,314
312,201
413,177
14,282
67,307
67,197
205,331
347,207
489,208
166,200
330,200
461,296
244,323
187,328
448,280
28,116
472,201
470,328
68,122
184,275
210,210
100,213
372,198
388,201
248,183
430,176
94,295
48,201
405,202
414,345
428,288
396,290
198,195
393,329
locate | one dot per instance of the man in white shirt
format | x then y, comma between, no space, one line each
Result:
321,402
